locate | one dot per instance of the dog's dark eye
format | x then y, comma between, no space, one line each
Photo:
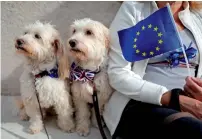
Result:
88,32
74,31
25,32
37,36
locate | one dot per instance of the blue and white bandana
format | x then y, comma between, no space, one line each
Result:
53,73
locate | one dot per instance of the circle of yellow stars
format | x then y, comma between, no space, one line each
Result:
157,48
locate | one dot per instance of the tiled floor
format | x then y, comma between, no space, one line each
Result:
13,128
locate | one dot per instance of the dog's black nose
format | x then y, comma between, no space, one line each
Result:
20,42
73,43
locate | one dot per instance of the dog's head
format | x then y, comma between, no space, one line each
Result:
41,43
89,40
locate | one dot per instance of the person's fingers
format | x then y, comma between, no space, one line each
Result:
199,109
188,91
197,81
188,79
193,86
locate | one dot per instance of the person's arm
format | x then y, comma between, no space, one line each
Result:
120,75
191,105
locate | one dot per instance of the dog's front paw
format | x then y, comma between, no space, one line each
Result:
66,126
83,131
33,129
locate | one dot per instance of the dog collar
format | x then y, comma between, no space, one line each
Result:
53,73
77,73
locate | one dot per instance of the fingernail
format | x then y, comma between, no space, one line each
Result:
187,78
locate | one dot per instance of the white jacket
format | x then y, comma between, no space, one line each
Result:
126,77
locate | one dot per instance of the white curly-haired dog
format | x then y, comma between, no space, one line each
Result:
44,60
88,49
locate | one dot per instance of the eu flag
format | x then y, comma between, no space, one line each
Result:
155,35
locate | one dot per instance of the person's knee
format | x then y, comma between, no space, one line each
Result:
187,126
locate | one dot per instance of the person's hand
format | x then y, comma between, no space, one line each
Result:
165,99
191,105
193,88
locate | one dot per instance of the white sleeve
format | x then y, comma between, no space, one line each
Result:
120,75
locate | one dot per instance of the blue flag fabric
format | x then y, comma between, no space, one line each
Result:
155,35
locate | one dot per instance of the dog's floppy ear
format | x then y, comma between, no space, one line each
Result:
106,35
63,63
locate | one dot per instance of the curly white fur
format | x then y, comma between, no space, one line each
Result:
90,52
41,48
